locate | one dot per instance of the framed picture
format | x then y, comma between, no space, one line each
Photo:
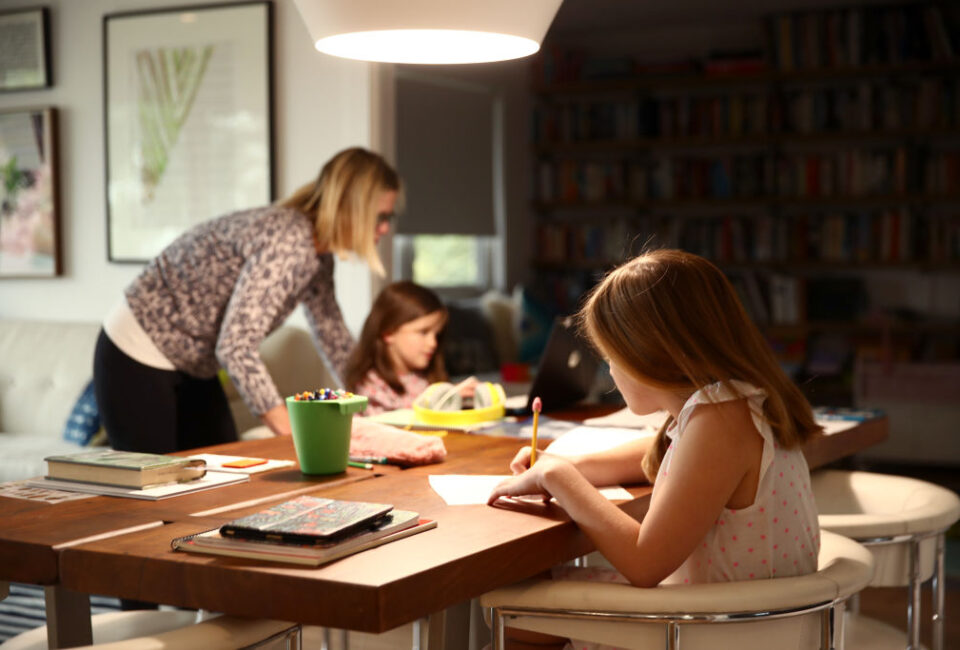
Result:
187,101
29,214
25,49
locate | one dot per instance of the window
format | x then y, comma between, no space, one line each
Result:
458,263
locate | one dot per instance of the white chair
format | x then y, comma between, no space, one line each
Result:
902,522
173,630
799,612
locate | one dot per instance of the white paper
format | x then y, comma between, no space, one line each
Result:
23,490
625,418
215,463
832,426
585,440
475,489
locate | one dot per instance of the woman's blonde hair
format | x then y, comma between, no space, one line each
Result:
343,202
672,320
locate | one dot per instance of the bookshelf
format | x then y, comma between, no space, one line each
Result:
832,153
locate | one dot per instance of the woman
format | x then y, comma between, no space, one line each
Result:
212,296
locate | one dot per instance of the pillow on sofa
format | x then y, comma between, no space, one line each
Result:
84,419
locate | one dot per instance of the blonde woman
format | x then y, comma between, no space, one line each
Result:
731,488
212,296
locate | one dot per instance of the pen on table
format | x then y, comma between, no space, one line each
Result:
376,460
354,463
537,405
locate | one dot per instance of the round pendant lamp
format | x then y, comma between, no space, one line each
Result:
428,31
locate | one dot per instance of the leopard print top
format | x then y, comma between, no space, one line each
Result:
212,296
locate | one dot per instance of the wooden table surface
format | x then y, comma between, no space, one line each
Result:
473,549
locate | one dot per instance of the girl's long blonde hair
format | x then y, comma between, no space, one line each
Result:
672,320
343,202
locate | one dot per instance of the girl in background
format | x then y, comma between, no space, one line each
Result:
731,488
398,354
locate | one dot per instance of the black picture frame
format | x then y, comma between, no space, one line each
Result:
188,120
25,58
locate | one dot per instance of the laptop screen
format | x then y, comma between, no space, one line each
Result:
567,368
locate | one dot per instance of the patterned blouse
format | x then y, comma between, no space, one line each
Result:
212,296
381,397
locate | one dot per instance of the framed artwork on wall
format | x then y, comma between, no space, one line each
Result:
29,214
25,49
188,120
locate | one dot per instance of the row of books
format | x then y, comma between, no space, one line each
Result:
921,103
855,173
771,298
861,36
869,236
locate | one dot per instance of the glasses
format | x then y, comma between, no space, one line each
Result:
384,217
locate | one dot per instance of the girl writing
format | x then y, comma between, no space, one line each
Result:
731,488
398,353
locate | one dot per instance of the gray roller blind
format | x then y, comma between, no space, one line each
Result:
445,156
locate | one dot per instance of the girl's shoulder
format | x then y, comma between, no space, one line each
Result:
719,393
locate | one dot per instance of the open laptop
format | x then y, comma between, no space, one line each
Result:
567,371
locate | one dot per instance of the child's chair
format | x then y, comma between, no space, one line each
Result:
902,522
785,613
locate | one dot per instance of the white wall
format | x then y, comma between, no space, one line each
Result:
321,105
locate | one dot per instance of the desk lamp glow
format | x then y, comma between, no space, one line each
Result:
428,31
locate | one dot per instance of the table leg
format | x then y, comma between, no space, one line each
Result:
68,618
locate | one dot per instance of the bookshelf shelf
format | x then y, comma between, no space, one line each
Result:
824,158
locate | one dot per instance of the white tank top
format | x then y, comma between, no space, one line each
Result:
127,334
777,536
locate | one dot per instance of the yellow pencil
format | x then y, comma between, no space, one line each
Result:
537,406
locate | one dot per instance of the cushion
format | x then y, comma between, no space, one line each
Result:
84,419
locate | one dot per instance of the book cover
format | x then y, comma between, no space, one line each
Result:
395,525
306,519
123,468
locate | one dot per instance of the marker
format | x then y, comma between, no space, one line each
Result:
353,463
377,460
537,406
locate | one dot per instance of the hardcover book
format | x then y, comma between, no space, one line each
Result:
307,520
123,468
393,526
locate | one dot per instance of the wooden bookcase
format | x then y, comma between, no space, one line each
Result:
835,153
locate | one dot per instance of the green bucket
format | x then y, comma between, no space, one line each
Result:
321,432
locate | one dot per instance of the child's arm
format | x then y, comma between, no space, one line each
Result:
721,451
621,464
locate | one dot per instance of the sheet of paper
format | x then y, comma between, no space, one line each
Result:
23,490
584,440
216,461
474,489
628,419
831,426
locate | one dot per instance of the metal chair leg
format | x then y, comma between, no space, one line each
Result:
938,588
913,602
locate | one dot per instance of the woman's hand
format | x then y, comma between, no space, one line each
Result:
532,481
278,420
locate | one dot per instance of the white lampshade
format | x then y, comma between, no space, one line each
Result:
428,31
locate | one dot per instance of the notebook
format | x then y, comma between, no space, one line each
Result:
567,371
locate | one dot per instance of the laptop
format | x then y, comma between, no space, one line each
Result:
567,371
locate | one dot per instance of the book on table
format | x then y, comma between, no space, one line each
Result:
124,468
307,520
393,526
208,481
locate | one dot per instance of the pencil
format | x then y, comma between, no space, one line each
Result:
353,463
537,405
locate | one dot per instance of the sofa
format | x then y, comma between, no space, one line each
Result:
45,366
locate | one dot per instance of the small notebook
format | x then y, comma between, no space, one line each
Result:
307,520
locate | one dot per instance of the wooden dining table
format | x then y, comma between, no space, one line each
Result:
122,547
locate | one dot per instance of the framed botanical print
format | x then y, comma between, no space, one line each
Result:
188,97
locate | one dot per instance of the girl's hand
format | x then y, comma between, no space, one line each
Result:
467,387
521,462
532,481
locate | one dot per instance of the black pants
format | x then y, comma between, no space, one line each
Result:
157,411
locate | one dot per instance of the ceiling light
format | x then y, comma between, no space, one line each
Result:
428,31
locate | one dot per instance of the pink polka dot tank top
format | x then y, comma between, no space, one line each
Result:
777,536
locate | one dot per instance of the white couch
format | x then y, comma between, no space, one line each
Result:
45,365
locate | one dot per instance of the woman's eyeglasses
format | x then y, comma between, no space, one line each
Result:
384,217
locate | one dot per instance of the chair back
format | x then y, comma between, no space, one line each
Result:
788,613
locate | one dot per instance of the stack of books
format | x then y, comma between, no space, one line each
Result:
131,474
307,530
